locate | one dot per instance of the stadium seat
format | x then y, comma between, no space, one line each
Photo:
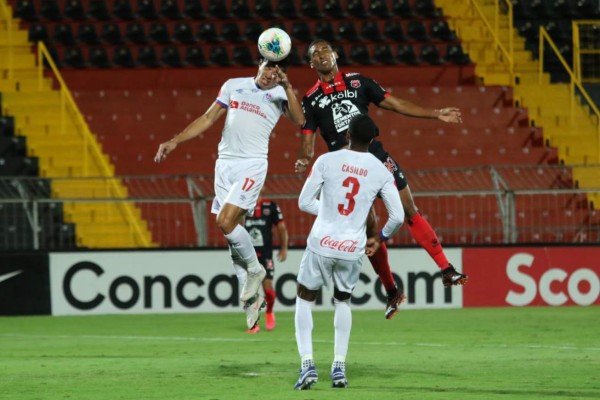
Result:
122,10
193,9
194,56
25,10
441,31
159,33
359,54
333,8
406,54
146,9
86,33
263,9
243,56
356,9
455,54
310,9
74,10
342,58
111,33
49,10
73,58
383,55
218,9
430,54
347,31
63,34
301,31
208,32
219,56
401,8
54,55
37,33
170,9
98,58
122,57
287,9
146,56
416,30
170,56
240,9
324,30
426,8
99,10
182,32
134,32
379,8
392,30
294,57
252,31
370,31
230,31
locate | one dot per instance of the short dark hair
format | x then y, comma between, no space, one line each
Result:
283,64
314,42
362,129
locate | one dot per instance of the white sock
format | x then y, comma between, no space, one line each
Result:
342,323
239,266
304,325
240,241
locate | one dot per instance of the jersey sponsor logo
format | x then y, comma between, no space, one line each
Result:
346,245
234,104
256,237
355,83
352,74
252,108
268,98
324,102
343,113
391,166
267,212
346,94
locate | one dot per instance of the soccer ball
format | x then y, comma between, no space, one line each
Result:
274,44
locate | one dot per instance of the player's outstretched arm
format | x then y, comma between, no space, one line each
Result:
307,151
194,129
405,107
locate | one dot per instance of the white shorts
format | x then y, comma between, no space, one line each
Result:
317,270
239,182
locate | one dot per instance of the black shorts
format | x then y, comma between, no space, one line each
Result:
269,266
395,169
376,148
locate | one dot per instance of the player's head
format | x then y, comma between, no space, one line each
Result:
321,56
362,130
266,77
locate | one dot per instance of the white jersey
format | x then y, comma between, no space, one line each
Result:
348,182
251,116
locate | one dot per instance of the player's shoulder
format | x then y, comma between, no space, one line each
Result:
239,82
313,90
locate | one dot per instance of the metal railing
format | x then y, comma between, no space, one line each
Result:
575,85
487,205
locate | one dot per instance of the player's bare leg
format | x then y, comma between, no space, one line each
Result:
270,299
303,321
424,234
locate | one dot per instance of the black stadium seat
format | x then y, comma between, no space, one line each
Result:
182,32
146,57
170,9
38,32
159,33
74,10
86,33
324,30
63,34
194,56
405,54
98,58
356,8
218,9
122,57
240,9
111,33
25,10
383,54
359,54
370,31
208,32
243,56
99,10
333,8
301,31
134,32
122,10
379,8
218,56
392,30
456,55
73,58
170,56
146,9
347,31
230,31
430,54
49,10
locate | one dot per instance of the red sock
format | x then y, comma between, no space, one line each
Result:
270,298
381,265
423,233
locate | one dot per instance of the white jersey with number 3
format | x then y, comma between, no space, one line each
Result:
251,116
347,182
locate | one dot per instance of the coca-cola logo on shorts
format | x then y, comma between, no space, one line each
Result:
348,246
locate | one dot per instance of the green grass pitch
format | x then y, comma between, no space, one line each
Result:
493,353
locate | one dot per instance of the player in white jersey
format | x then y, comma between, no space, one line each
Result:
253,106
346,183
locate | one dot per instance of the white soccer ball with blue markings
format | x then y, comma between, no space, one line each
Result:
274,44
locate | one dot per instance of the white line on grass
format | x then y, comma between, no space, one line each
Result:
270,340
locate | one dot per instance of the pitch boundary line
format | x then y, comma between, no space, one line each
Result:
270,340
